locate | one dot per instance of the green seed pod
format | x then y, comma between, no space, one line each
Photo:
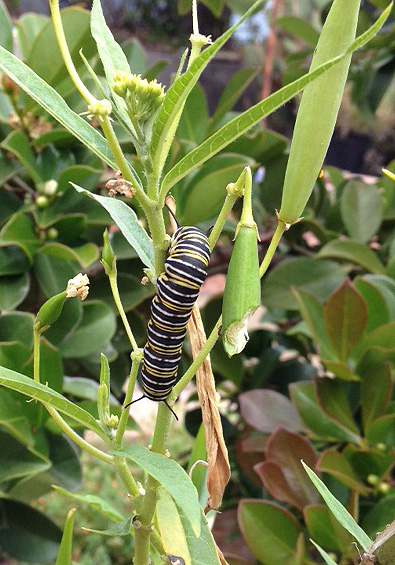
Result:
107,256
242,294
49,312
318,109
103,405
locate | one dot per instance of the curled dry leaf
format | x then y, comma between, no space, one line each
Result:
217,454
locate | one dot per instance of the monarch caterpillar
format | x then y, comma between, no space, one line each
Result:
178,289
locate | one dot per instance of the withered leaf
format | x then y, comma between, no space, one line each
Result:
217,453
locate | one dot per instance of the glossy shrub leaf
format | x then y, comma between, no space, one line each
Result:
345,319
54,104
353,252
299,28
319,278
27,386
361,207
238,84
97,326
26,534
382,337
169,115
64,553
5,27
13,261
170,527
263,525
172,477
366,460
313,313
94,501
127,221
17,143
20,231
338,510
251,117
333,400
382,431
376,390
282,472
13,417
381,514
267,410
335,464
304,398
324,529
54,265
131,290
17,460
378,311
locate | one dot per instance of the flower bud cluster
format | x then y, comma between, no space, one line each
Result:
142,97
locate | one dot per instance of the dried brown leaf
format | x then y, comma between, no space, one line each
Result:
217,453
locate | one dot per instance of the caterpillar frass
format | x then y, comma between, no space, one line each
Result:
178,289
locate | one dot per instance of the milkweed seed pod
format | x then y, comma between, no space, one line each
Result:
50,312
318,109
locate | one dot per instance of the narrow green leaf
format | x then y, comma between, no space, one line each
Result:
172,476
127,221
254,115
27,386
54,104
327,558
118,529
5,27
94,501
338,510
167,121
64,553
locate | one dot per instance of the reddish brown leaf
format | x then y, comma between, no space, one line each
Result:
266,410
274,480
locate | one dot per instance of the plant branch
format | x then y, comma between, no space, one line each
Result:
117,299
281,228
137,357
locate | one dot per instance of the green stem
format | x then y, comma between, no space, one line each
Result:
126,475
63,425
156,223
222,217
282,226
137,357
36,355
59,32
247,219
117,299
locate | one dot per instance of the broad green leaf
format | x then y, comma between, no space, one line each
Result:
45,58
26,534
97,326
353,252
17,326
202,548
127,221
10,202
304,397
338,510
379,516
172,477
327,558
313,313
345,318
17,461
5,27
53,271
267,410
84,388
170,527
336,464
376,390
263,525
382,337
54,104
20,230
29,26
319,278
18,144
235,88
193,124
131,290
325,529
13,291
135,55
248,119
94,501
333,400
170,112
13,261
13,418
299,28
361,207
382,431
378,312
27,386
64,553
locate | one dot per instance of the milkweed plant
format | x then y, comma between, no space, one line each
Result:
166,519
